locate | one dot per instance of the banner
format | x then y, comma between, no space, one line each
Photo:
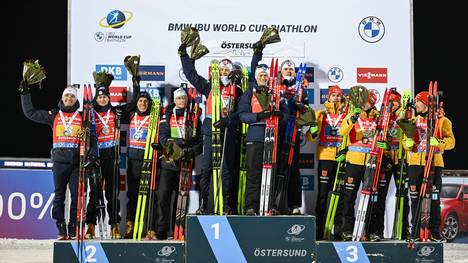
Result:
343,43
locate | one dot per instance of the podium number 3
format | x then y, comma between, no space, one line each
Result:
216,230
353,256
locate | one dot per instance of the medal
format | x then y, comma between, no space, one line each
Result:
105,130
67,125
365,140
138,134
105,122
67,132
333,132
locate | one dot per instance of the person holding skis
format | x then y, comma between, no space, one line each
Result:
178,143
416,147
328,122
360,126
106,120
229,122
388,167
65,122
138,130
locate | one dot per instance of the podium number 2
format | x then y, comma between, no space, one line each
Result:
353,256
216,230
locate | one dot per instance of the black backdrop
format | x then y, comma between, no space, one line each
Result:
40,31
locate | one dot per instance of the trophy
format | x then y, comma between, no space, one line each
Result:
358,95
33,72
102,79
189,36
269,36
132,63
198,51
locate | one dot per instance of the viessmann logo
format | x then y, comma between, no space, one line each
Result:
372,75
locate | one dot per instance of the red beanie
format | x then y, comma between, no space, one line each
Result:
423,97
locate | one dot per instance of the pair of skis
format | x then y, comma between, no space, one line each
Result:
269,148
85,145
287,151
216,139
186,168
422,218
243,166
401,176
148,174
372,172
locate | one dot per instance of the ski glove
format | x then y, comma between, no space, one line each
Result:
182,51
383,145
157,147
409,143
341,155
221,123
356,113
434,141
188,154
258,47
24,88
313,130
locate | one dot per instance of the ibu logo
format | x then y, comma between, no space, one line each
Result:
118,71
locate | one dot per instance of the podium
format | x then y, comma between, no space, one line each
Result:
247,239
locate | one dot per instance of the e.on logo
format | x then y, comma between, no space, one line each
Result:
372,75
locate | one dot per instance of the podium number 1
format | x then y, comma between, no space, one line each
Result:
216,230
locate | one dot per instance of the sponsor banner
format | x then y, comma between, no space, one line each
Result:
118,95
152,73
118,71
26,198
372,75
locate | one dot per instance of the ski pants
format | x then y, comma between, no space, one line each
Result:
327,173
168,182
133,185
111,184
65,174
254,164
354,175
415,175
231,157
294,185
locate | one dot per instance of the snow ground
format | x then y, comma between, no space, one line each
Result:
41,251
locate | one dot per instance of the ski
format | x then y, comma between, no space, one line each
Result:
271,137
287,151
243,167
146,169
372,172
401,182
83,171
186,169
216,139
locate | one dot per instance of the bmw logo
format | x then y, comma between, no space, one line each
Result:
99,36
335,74
371,29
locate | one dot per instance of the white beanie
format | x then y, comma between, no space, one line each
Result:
261,68
70,90
179,92
225,63
288,63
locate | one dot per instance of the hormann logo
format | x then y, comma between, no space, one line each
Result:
153,73
372,75
118,94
